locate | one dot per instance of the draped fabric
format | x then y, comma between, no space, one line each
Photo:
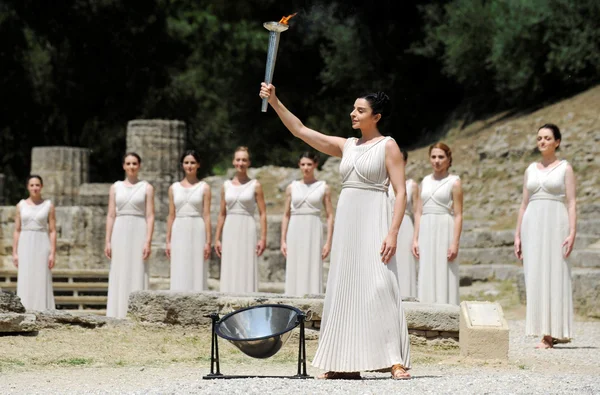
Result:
34,279
239,263
363,325
304,239
544,228
128,271
189,269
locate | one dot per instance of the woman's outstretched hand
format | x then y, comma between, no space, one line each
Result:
267,91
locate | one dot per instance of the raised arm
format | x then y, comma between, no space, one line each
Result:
149,221
524,202
329,213
207,224
220,222
52,234
571,210
285,220
262,211
394,164
330,145
16,235
170,220
457,198
111,214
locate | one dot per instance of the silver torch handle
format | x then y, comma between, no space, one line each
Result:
270,68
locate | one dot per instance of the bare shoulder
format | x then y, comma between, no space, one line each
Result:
149,187
457,183
257,185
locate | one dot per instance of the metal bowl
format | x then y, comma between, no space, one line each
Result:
259,331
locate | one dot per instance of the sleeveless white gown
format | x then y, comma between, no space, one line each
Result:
544,228
239,263
304,266
407,266
363,325
34,279
128,271
438,278
189,270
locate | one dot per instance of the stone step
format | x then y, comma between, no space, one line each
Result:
588,226
586,292
479,238
470,273
589,257
484,256
583,241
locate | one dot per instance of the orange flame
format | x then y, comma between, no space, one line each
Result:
285,19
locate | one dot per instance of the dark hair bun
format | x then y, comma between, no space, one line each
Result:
382,98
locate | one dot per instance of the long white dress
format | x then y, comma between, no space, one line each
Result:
128,271
239,266
544,228
34,279
189,269
407,267
304,265
438,278
363,325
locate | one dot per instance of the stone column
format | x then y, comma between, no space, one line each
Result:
160,144
63,169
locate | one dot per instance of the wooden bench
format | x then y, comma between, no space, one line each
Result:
77,291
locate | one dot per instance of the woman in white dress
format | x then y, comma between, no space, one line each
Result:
544,239
363,326
438,224
407,266
34,247
188,228
302,230
239,250
129,229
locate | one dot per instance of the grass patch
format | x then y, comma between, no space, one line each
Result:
75,361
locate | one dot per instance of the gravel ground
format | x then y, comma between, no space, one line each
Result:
572,368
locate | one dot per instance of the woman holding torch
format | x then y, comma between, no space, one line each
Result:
363,326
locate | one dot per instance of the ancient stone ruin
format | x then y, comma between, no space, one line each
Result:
486,253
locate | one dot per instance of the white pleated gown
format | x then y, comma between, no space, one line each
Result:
363,325
128,271
544,228
189,269
438,278
239,264
304,239
407,266
34,279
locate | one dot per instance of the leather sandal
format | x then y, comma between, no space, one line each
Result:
399,372
340,376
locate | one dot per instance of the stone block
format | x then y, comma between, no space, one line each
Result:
63,169
483,331
18,323
94,194
10,303
431,316
586,292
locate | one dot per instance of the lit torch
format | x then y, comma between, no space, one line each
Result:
274,28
